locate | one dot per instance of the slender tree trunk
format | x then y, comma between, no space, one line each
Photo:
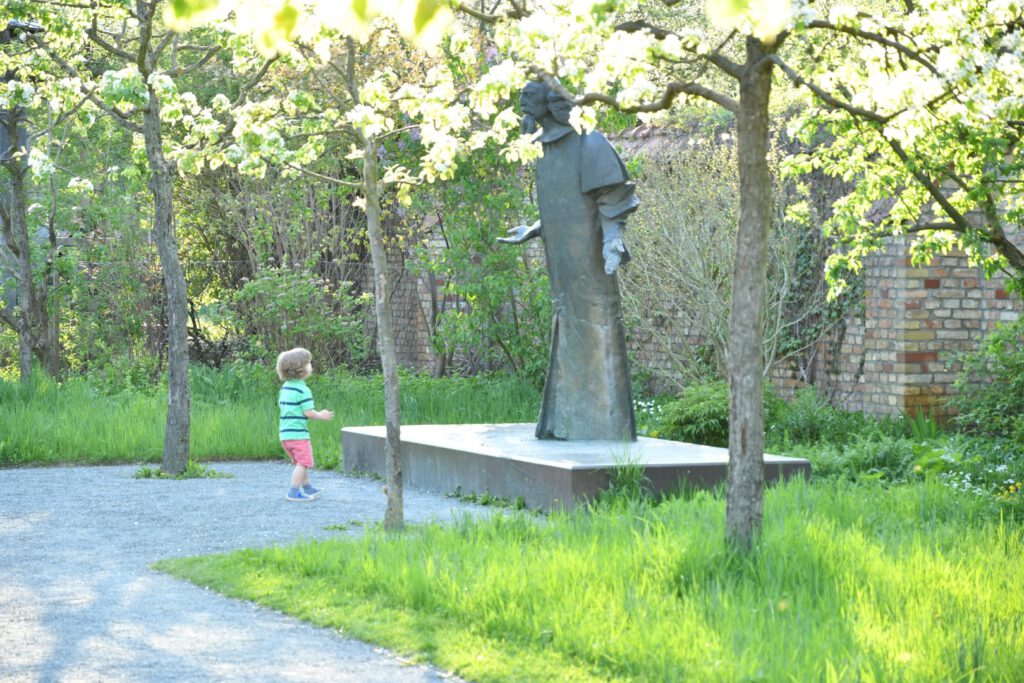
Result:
176,436
20,244
393,514
746,413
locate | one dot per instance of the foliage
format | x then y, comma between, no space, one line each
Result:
493,304
628,484
874,457
924,122
125,374
488,499
990,468
648,413
809,419
683,240
913,582
700,414
990,389
853,447
280,308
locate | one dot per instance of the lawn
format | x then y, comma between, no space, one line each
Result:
234,414
851,581
901,560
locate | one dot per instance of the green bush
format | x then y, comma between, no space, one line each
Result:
873,456
282,308
810,419
143,375
990,390
701,414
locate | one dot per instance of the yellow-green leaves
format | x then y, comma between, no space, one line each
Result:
763,19
182,14
273,23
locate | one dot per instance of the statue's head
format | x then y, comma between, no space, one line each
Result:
559,107
533,99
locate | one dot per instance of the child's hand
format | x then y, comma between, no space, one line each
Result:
326,414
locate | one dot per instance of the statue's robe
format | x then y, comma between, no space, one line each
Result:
587,392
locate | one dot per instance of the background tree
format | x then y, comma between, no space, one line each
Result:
39,114
919,107
130,35
492,308
365,117
683,237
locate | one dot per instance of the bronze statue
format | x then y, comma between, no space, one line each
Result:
584,196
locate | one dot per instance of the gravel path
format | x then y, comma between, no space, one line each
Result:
79,603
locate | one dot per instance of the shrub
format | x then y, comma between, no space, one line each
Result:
810,419
990,390
142,374
873,456
701,414
282,308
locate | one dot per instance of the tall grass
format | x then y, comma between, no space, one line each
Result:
234,414
849,582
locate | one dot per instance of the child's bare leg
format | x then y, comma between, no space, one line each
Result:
300,475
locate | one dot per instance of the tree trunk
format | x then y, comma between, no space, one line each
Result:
393,514
746,413
176,436
19,243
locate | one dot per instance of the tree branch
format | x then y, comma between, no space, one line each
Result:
8,319
143,58
195,66
243,92
878,38
327,178
121,117
518,11
672,90
828,99
714,57
94,35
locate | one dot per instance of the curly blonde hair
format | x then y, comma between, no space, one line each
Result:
291,364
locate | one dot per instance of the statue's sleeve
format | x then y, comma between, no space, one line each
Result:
603,176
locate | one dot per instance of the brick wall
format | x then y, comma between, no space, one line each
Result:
902,357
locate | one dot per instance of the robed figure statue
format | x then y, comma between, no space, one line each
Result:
584,196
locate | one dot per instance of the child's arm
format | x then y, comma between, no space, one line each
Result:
319,414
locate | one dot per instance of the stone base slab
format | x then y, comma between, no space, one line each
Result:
508,461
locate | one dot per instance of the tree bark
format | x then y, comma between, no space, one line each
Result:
744,498
161,185
28,314
393,514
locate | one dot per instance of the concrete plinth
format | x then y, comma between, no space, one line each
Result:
507,461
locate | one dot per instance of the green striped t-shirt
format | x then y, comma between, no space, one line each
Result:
294,399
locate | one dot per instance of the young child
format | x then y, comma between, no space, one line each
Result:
295,401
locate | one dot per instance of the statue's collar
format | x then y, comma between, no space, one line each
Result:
553,132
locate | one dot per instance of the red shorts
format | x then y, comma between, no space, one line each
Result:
300,451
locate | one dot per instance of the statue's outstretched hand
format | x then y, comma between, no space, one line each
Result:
521,233
615,254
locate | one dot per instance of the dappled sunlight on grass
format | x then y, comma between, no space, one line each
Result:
849,581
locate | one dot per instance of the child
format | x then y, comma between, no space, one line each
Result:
296,403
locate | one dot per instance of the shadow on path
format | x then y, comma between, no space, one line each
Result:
79,602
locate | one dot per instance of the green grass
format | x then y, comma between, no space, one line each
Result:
849,582
233,416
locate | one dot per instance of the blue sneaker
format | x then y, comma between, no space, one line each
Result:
311,491
297,496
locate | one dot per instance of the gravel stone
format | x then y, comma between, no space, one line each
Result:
78,601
